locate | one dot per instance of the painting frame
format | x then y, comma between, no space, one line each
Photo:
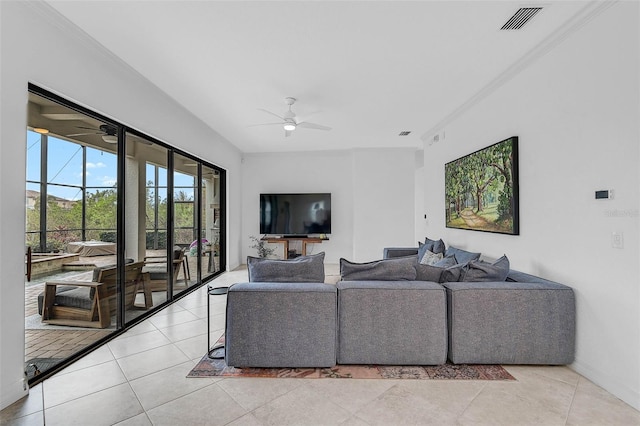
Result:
482,189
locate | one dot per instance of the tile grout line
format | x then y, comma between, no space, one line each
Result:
484,386
573,397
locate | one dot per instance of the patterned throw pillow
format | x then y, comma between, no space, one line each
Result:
431,258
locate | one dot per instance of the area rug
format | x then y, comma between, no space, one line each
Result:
208,367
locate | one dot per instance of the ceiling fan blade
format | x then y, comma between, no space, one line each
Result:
264,124
315,126
83,134
272,113
85,127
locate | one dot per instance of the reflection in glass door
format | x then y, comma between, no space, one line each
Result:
185,173
145,226
210,222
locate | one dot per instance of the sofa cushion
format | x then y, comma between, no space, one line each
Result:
278,325
395,269
478,271
462,256
59,289
302,269
392,323
511,323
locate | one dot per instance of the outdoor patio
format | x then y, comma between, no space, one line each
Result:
47,345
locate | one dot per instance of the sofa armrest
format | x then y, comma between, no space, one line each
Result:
390,252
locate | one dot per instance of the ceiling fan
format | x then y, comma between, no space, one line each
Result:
108,132
289,121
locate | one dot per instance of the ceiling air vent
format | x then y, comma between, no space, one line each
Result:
520,18
404,133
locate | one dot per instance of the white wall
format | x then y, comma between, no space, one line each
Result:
576,113
38,46
372,196
384,200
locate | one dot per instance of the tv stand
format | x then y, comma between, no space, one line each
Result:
284,240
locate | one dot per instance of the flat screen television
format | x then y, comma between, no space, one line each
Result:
295,214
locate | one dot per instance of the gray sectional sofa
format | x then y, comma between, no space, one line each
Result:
396,311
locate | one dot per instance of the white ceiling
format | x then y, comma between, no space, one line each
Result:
368,69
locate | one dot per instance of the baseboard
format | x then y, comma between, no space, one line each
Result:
13,392
605,381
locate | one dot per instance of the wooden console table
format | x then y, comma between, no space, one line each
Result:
285,242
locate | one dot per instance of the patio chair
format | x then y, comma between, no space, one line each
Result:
156,267
93,303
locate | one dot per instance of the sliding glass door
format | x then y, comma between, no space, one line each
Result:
122,222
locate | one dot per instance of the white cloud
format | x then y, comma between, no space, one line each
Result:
108,181
97,165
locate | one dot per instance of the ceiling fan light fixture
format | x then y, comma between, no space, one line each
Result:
41,130
289,127
110,138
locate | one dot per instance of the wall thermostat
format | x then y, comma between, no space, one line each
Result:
604,194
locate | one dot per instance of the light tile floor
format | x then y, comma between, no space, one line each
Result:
139,379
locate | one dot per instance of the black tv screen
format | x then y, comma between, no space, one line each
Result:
295,214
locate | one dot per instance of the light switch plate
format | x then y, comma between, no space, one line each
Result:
617,240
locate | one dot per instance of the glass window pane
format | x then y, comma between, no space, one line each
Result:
210,220
162,176
33,156
101,210
184,215
102,168
64,162
183,179
150,215
64,220
151,175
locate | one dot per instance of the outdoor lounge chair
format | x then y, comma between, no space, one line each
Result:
92,304
156,267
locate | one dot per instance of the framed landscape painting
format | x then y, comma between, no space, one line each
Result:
481,189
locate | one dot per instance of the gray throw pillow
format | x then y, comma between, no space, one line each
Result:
303,269
447,261
434,272
479,271
394,269
462,256
436,246
452,273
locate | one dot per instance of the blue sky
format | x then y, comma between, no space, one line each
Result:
64,166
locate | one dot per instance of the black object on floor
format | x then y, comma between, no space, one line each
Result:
36,366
